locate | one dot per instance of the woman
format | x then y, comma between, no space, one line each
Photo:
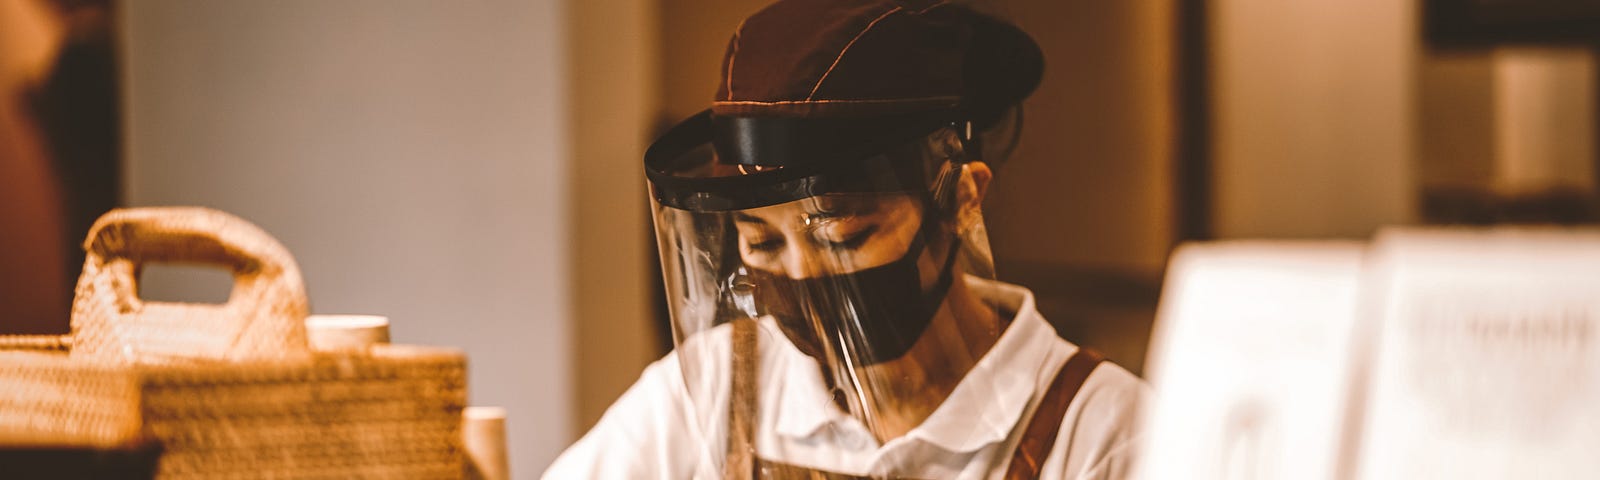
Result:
829,275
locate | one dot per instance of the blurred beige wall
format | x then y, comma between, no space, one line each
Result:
693,36
613,76
1313,116
415,156
1090,185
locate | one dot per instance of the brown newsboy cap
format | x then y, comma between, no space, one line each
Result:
852,58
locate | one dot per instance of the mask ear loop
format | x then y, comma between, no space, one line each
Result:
942,198
943,194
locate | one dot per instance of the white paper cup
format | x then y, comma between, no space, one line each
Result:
483,433
331,333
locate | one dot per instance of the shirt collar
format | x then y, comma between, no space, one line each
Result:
803,404
983,408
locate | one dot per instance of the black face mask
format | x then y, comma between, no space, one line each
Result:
885,304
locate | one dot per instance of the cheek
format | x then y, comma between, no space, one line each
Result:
890,248
905,228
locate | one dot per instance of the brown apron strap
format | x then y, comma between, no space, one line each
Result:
740,464
1041,432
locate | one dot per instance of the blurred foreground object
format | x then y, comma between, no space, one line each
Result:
1431,353
1250,360
230,389
133,462
60,158
1485,364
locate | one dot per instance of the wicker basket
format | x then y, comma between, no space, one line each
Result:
231,390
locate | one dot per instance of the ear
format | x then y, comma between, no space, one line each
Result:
970,191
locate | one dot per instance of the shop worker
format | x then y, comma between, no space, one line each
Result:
829,276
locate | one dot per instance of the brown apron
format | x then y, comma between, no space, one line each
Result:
1029,456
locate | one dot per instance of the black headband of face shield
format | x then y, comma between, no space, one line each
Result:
816,157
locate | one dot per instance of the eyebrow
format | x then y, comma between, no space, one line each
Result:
748,218
843,209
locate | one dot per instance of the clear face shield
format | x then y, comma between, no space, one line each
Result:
819,296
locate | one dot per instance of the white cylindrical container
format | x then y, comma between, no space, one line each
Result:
330,333
483,432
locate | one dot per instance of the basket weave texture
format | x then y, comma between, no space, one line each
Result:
231,390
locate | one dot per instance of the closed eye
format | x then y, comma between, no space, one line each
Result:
854,241
771,245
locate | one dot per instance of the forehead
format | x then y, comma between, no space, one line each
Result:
829,206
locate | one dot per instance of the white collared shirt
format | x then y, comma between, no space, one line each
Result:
652,431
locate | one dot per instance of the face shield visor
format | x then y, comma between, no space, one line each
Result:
819,271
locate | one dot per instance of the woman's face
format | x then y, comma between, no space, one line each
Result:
828,234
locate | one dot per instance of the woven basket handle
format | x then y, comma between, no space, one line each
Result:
263,317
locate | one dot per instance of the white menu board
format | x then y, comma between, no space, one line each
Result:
1250,361
1487,363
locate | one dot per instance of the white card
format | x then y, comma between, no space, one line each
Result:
1250,361
1487,365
